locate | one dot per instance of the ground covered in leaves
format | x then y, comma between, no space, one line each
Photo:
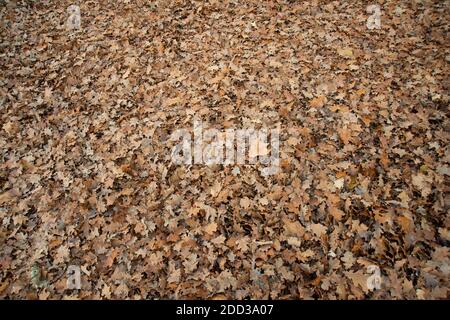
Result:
86,176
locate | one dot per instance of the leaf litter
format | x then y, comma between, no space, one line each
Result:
87,179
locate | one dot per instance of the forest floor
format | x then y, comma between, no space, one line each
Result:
87,178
